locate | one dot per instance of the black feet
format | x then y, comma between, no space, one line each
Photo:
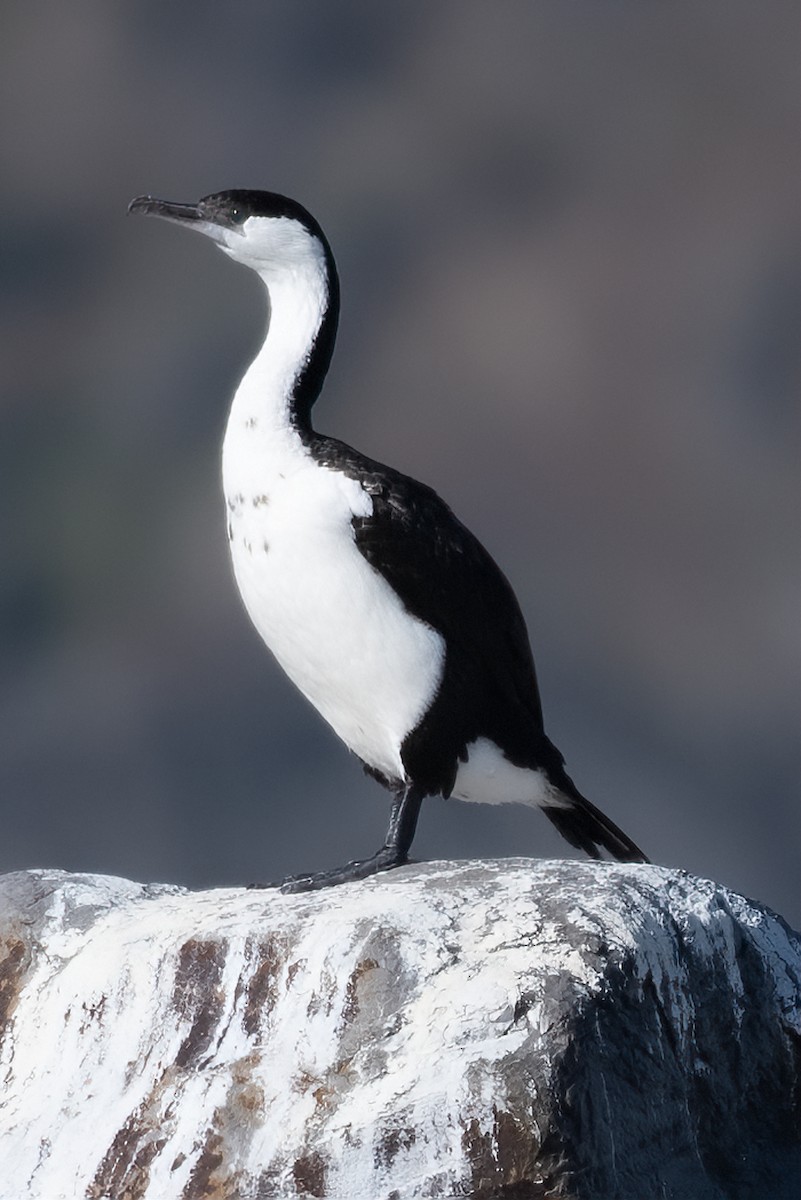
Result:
394,852
362,868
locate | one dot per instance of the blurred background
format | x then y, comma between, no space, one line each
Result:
568,243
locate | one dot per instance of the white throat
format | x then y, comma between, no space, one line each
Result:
297,288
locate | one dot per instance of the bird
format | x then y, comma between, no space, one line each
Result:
385,611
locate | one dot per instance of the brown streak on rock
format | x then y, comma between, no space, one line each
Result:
124,1172
351,1007
516,1149
309,1173
12,957
204,1183
503,1163
323,1096
197,995
260,993
245,1100
292,971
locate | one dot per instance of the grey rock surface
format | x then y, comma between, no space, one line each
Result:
512,1029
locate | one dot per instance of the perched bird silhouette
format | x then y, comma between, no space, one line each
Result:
384,610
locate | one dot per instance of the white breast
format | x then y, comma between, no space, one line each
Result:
335,625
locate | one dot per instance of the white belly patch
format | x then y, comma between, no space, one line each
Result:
489,778
333,623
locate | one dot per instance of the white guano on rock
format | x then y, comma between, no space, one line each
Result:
490,1029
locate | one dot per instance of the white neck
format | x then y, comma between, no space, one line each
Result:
298,297
261,436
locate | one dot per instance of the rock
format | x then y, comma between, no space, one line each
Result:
511,1029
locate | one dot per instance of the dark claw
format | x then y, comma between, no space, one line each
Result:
362,868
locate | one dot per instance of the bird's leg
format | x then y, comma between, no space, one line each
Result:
394,852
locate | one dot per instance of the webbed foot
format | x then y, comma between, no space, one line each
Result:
361,868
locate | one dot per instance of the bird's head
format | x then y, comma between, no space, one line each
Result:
265,231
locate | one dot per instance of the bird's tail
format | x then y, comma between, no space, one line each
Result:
587,828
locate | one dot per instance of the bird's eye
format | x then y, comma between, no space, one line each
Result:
238,214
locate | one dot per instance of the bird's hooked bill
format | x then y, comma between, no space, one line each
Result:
169,209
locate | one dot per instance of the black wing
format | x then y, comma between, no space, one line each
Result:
489,687
446,578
